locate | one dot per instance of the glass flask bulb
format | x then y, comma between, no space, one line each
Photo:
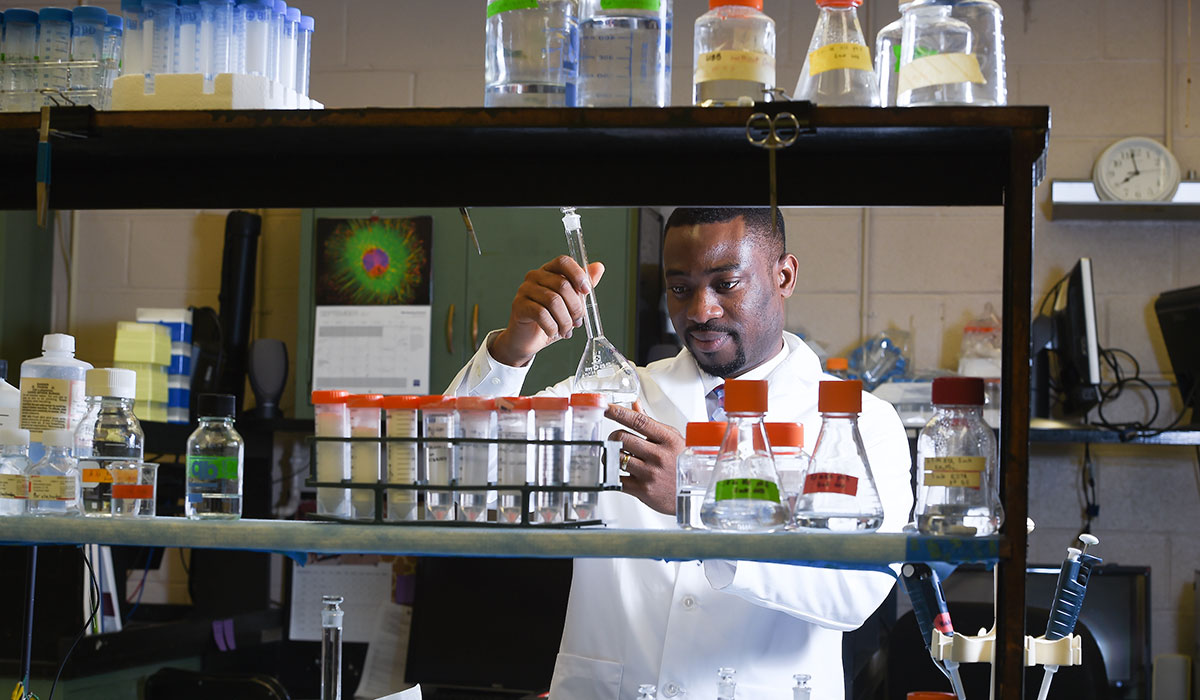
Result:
602,369
837,69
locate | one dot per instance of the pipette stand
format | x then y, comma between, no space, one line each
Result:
1067,651
980,648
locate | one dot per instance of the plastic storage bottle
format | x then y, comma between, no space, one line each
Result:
14,470
332,420
587,411
52,390
365,467
985,19
216,28
887,58
53,47
187,46
402,460
20,47
476,419
108,433
257,21
837,69
88,28
214,462
957,474
734,53
304,53
839,490
787,449
54,480
10,400
439,420
512,461
625,53
936,64
838,367
726,684
132,59
550,423
532,54
744,494
693,471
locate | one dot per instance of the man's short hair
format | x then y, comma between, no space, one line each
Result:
758,222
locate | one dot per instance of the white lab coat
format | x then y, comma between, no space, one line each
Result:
634,621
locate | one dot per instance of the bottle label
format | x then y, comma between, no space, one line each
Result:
747,489
51,488
646,5
495,7
144,491
941,69
735,65
212,468
51,404
834,56
95,475
957,472
9,418
827,482
14,486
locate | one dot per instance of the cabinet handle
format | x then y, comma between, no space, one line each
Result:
475,328
450,330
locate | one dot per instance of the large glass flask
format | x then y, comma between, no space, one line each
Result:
957,474
837,69
936,63
744,494
602,370
839,492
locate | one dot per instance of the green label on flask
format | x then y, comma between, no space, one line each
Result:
747,489
211,468
648,5
495,7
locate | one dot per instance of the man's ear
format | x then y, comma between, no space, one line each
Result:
786,271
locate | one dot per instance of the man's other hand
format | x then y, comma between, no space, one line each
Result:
651,463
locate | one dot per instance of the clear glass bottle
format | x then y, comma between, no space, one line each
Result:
332,420
402,460
550,423
958,490
986,19
439,420
787,449
476,419
215,454
646,691
726,684
693,471
744,494
132,61
936,63
331,647
14,471
839,490
109,433
887,58
53,389
365,465
837,69
803,688
532,54
513,461
54,480
587,411
625,53
733,54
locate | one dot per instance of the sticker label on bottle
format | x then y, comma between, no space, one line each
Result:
91,473
827,482
941,69
647,5
14,486
735,65
145,491
835,56
51,488
495,7
956,472
51,404
211,468
747,489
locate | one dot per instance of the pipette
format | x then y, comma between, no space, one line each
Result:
924,589
1068,600
602,370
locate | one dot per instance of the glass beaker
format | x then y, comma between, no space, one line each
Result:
134,488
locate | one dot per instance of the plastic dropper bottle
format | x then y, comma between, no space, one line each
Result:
53,390
838,70
602,369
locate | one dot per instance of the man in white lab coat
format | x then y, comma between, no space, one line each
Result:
634,621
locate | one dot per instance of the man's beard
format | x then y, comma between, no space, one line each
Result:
724,369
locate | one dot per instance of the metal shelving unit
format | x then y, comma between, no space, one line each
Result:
950,156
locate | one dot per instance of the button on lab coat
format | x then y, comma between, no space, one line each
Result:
634,621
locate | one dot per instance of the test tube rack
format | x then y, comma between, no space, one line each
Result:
610,451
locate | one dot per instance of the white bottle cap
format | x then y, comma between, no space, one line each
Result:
121,383
58,438
58,342
14,436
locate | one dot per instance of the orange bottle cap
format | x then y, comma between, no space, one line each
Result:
704,434
746,396
405,402
514,403
756,4
364,400
437,402
588,401
834,364
550,403
475,403
840,397
785,434
320,397
839,3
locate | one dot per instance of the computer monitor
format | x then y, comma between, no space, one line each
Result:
1178,314
1067,348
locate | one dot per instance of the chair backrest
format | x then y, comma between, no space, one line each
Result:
180,684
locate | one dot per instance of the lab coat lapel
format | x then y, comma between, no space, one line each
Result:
675,392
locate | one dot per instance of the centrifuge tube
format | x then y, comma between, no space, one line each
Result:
602,370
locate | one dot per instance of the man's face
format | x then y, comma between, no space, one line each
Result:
725,295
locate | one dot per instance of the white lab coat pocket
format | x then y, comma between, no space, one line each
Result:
581,678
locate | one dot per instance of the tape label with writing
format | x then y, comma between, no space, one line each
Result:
14,486
827,482
835,56
735,65
941,69
955,472
52,488
747,489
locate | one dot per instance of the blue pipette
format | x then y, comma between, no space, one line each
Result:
1068,600
924,589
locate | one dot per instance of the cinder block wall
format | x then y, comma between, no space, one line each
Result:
1101,65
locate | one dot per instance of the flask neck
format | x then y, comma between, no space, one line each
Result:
110,403
959,412
840,24
591,317
57,453
216,421
744,435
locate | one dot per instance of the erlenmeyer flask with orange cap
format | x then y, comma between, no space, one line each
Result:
839,493
744,494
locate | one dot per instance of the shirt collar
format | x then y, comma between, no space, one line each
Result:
762,371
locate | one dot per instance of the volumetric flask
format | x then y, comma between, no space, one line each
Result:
602,370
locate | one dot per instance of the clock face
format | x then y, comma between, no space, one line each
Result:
1136,170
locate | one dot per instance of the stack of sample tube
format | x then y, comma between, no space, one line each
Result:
57,56
179,373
